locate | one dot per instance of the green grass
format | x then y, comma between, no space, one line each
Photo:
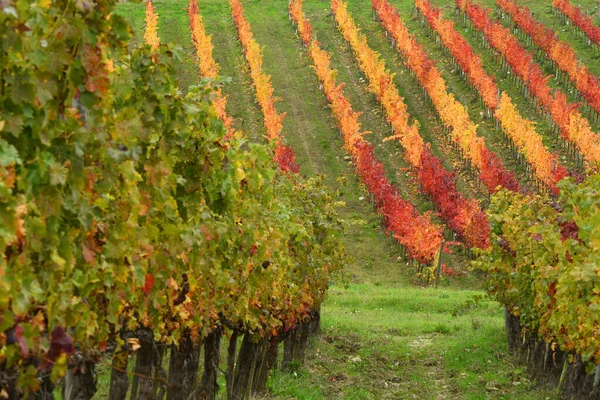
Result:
382,337
400,342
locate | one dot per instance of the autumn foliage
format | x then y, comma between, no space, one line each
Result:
453,114
466,58
208,66
417,233
579,18
560,52
520,130
273,121
572,125
543,266
151,33
462,215
129,224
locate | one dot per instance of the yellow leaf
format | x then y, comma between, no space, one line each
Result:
60,368
240,174
38,321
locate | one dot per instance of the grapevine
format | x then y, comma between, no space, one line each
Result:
462,215
561,53
580,19
151,34
264,90
543,264
128,218
572,125
453,114
207,65
417,233
520,130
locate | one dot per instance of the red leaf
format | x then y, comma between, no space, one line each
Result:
286,159
569,230
148,283
21,340
207,234
97,79
60,343
448,271
88,255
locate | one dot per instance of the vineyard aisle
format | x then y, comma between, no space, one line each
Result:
382,337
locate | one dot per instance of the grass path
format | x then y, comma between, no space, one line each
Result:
384,341
382,338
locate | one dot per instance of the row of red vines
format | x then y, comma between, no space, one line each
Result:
462,215
580,19
273,121
572,125
560,52
417,233
208,66
521,131
453,114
